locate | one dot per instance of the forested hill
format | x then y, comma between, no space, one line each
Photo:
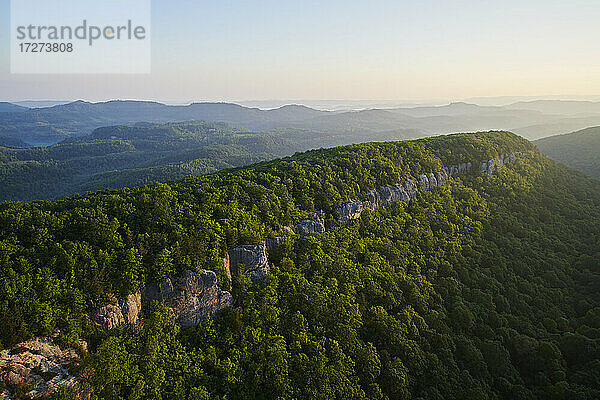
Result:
125,156
115,157
483,288
579,150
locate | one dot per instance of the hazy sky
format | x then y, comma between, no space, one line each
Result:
236,50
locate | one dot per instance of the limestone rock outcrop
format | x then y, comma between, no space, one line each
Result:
126,311
39,365
459,169
287,230
226,265
441,177
251,260
405,192
491,166
308,227
277,240
189,297
354,208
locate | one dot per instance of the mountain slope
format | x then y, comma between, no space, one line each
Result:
10,107
579,150
486,287
122,156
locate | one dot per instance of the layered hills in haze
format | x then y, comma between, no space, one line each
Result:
43,126
127,143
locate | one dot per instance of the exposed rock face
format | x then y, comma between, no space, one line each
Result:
491,166
189,297
440,178
432,180
352,210
308,227
288,230
249,259
38,364
276,241
411,188
386,195
226,265
126,311
424,180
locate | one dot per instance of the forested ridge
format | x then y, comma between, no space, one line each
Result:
486,288
579,150
126,156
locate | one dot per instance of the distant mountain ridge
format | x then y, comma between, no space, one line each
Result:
557,106
50,125
39,103
53,124
10,107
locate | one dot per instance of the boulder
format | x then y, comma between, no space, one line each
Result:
40,364
251,260
125,311
189,297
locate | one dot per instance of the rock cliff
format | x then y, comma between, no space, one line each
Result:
37,367
308,227
189,297
405,192
126,311
276,241
251,260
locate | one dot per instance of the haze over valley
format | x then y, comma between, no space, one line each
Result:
532,119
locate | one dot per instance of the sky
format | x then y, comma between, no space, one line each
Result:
401,50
